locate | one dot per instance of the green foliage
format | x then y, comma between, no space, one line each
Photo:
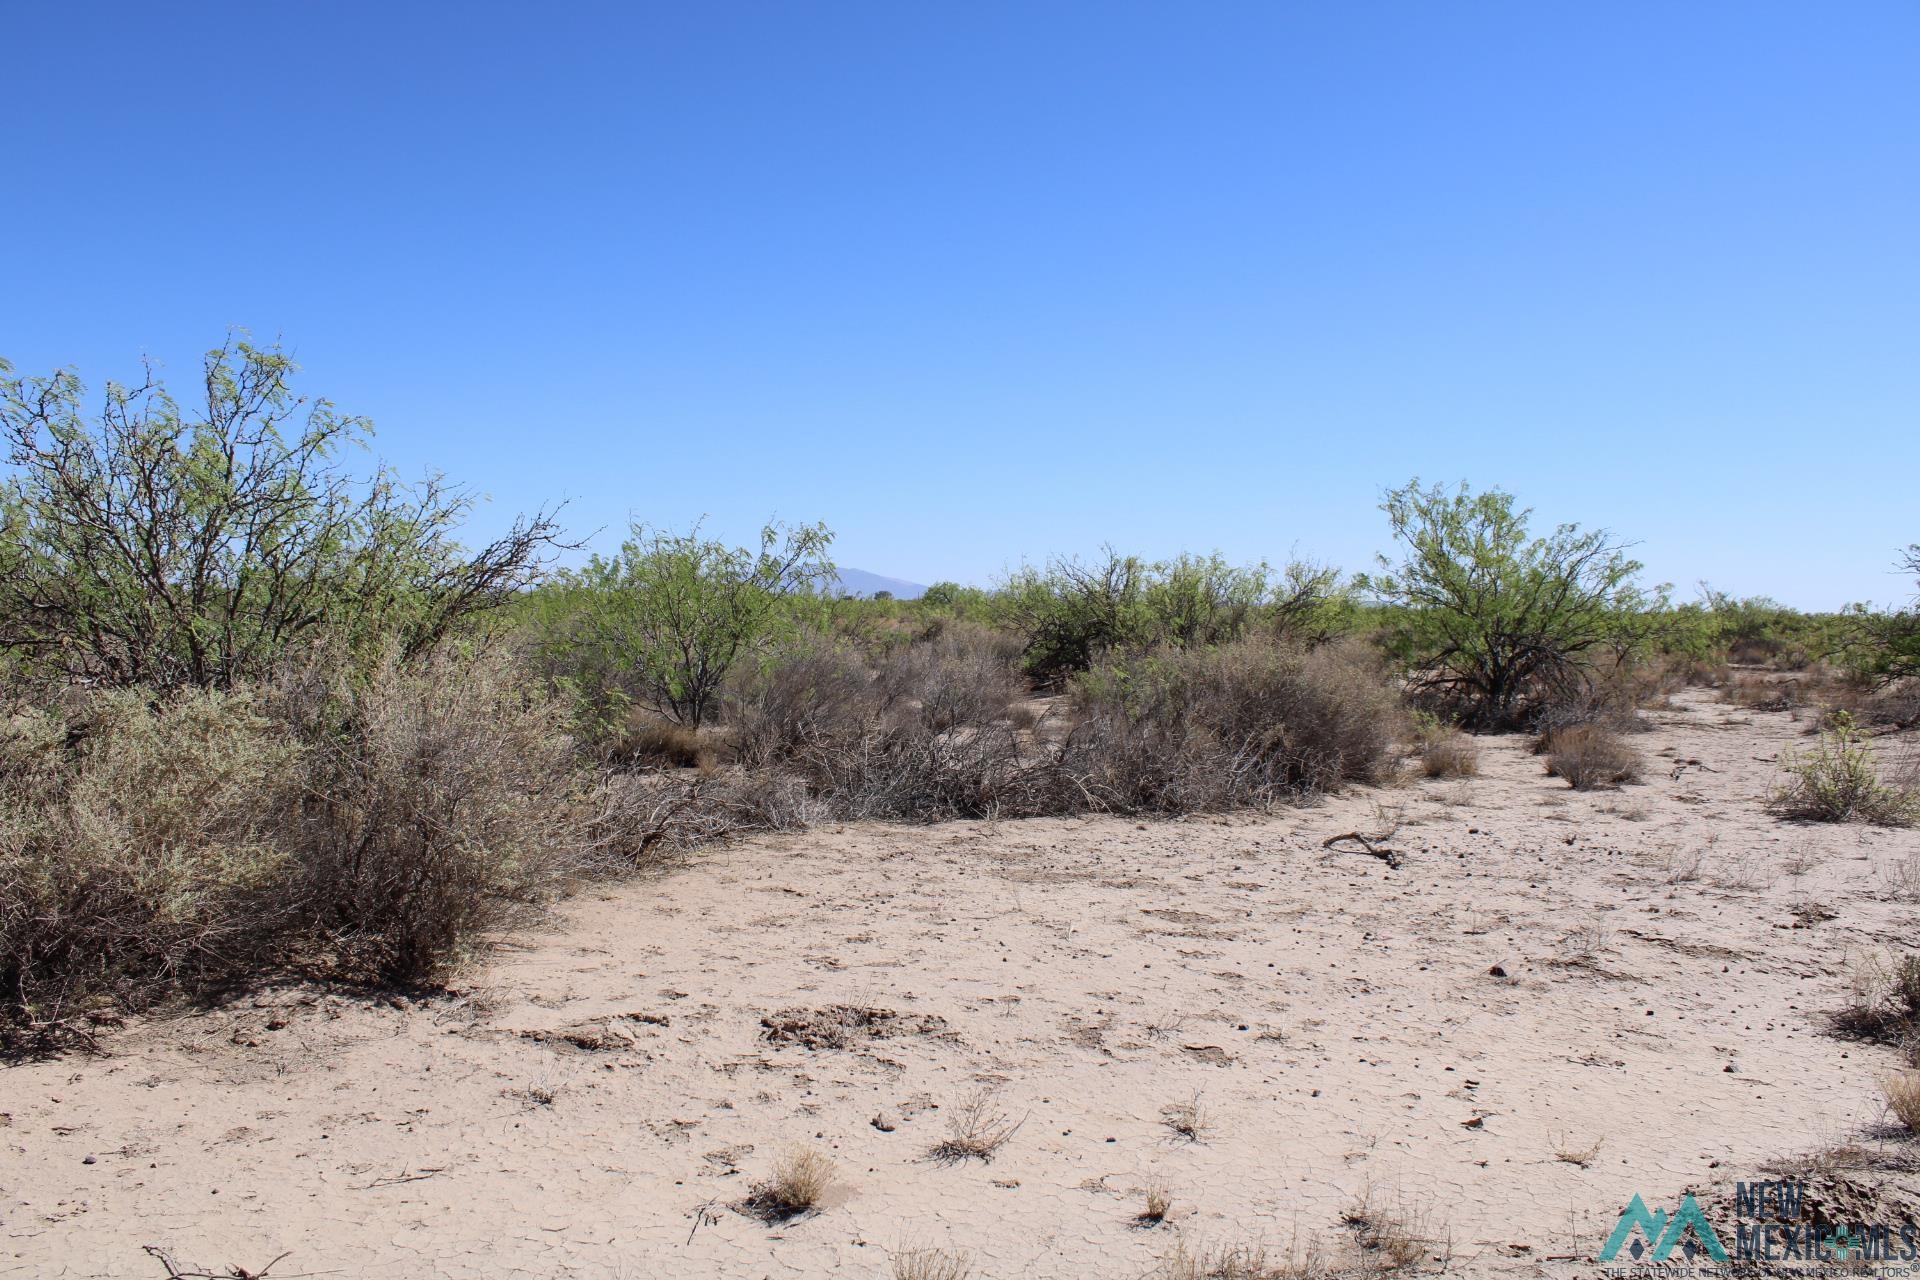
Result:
951,597
1839,781
1494,620
1197,601
1884,646
1072,614
660,625
143,545
1760,631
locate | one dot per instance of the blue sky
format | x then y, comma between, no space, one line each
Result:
984,281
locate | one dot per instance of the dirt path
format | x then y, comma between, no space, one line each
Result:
605,1090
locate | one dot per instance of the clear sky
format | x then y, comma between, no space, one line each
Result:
972,282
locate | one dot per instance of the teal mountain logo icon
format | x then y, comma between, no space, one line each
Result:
1653,1235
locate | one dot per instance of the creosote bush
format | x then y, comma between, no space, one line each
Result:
962,674
1074,614
812,690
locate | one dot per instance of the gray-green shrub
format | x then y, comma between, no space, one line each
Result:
1247,724
436,798
139,850
366,821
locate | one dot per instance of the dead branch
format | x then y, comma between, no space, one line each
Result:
174,1272
1367,845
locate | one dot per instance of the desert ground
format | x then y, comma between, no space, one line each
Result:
1555,1001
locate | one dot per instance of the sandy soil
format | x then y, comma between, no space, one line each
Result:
603,1093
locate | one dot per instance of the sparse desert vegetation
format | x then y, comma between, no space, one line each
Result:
926,1263
1189,1119
1066,641
661,1024
1883,996
1903,1098
800,1178
1840,780
1158,1204
300,795
1240,1261
977,1128
1445,752
1589,756
1394,1237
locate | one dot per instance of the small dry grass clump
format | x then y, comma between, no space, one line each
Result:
1589,756
1243,1262
1903,1097
1159,1204
1839,781
801,1177
925,1263
1903,879
1450,754
1188,1119
1884,1002
1393,1238
976,1129
1569,1152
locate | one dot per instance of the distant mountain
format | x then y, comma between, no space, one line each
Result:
858,582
